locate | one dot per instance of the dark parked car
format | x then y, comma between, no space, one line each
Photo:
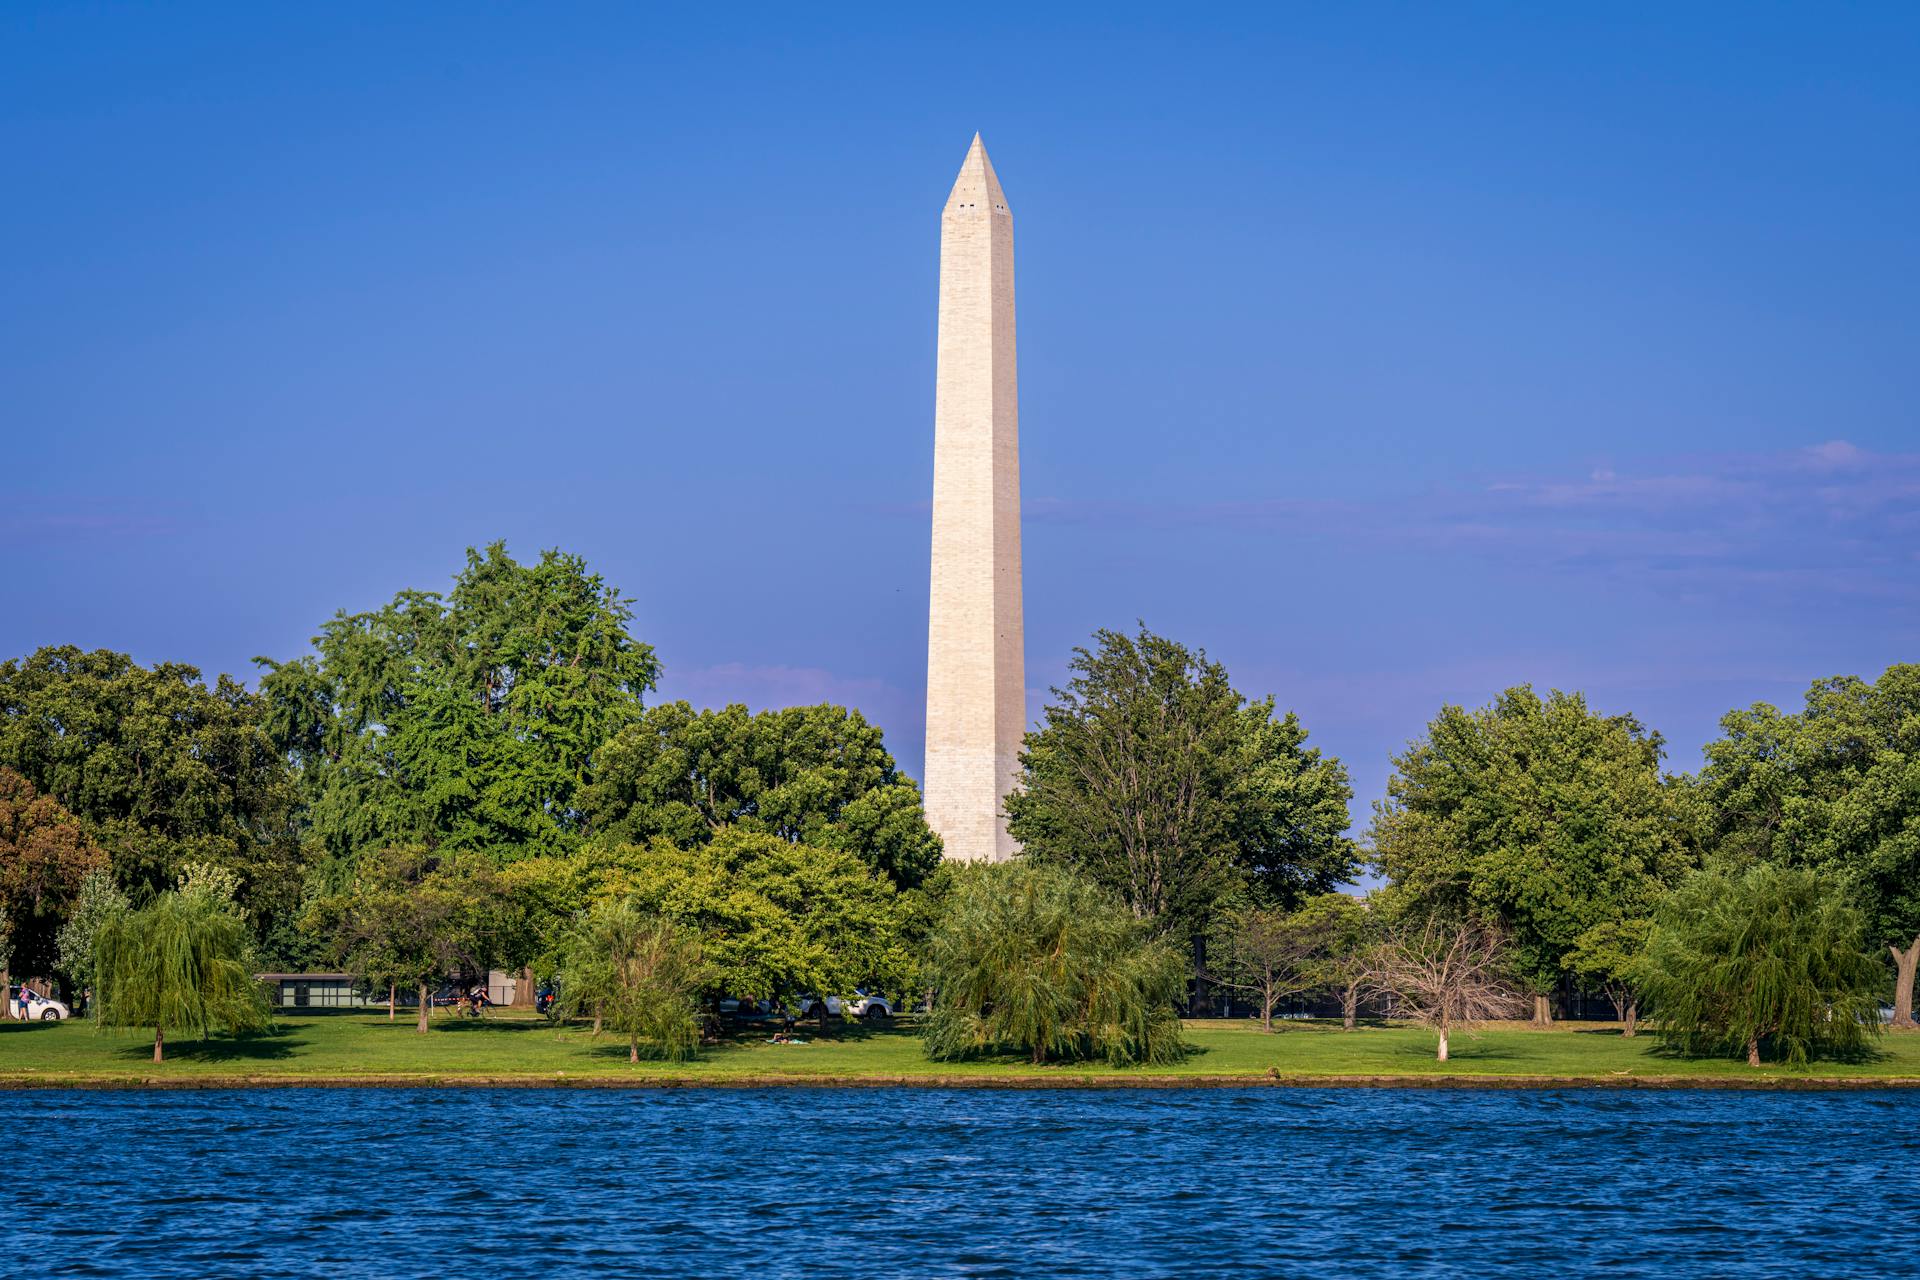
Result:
748,1010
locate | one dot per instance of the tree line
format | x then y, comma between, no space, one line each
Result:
474,779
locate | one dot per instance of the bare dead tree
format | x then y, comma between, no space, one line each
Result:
1446,975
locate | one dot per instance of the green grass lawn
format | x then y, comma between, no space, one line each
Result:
524,1049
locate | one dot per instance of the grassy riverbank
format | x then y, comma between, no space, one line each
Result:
504,1049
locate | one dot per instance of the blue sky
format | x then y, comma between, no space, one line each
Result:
1395,355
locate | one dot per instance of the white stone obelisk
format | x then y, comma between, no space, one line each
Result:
976,676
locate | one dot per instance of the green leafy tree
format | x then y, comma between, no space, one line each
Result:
1836,788
1153,777
1606,956
211,881
413,915
98,901
160,770
179,963
1035,959
1340,930
45,856
1537,815
465,723
545,897
777,920
1769,960
1264,953
817,775
638,975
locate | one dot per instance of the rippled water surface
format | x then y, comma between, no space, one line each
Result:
928,1182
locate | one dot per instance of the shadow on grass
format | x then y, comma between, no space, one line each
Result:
613,1048
275,1045
479,1026
13,1026
1769,1059
1283,1025
1460,1048
857,1031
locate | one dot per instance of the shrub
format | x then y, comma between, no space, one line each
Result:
639,976
1034,959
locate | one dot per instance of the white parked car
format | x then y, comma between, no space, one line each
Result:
39,1008
867,1006
862,1005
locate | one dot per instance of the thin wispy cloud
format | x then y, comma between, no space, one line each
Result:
33,519
1831,517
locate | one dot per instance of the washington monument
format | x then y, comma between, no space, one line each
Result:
976,669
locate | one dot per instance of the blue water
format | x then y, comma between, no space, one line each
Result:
907,1182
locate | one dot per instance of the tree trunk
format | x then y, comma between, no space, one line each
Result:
523,989
1039,1054
1753,1052
159,1038
1542,1011
1632,1020
6,991
390,1001
1350,1006
596,1020
1442,1057
633,1048
1266,1013
1904,962
426,1003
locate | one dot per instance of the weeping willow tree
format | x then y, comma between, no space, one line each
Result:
1769,960
637,975
178,964
1035,959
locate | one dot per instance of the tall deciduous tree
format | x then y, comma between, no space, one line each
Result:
1835,787
467,722
413,915
818,775
1341,930
1155,778
1263,952
160,770
1607,955
45,856
98,901
1769,960
1039,960
1536,814
179,964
